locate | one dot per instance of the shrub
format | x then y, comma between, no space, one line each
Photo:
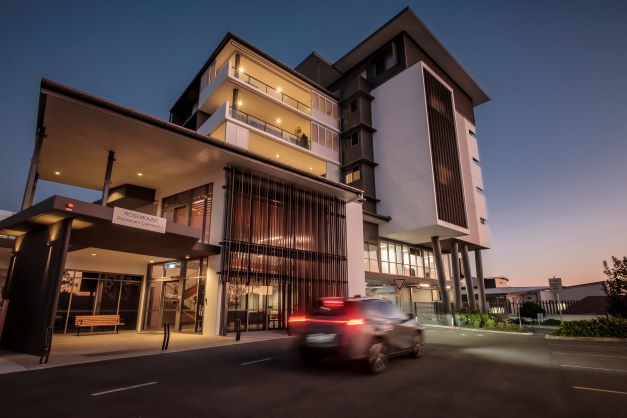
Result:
487,321
551,322
531,310
608,326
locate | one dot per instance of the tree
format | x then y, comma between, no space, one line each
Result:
616,286
531,310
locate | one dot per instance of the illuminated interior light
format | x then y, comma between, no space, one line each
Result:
241,69
57,173
278,120
279,89
140,174
93,254
152,261
239,103
277,156
424,285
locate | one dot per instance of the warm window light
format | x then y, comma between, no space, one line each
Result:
93,254
424,285
278,120
310,168
140,174
187,257
152,261
57,173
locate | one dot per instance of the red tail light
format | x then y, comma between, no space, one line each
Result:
297,319
332,302
352,322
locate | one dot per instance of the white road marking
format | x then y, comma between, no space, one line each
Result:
600,390
593,368
124,388
585,354
588,346
256,361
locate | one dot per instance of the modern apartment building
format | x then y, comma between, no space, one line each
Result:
268,188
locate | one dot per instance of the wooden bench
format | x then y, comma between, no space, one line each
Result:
83,321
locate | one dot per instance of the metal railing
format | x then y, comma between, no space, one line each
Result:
268,89
301,141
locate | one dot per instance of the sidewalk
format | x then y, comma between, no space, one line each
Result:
89,348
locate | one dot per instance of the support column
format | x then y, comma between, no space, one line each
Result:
480,283
439,265
33,175
470,290
456,276
107,180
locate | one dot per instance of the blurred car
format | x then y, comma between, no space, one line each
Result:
362,329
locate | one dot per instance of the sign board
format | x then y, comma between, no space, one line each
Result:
138,220
540,317
399,283
555,284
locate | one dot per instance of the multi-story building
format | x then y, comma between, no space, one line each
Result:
269,188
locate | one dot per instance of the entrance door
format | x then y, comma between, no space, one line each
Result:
162,304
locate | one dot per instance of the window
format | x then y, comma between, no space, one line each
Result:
379,66
353,105
192,207
371,258
483,221
352,175
325,137
386,60
354,139
403,259
325,105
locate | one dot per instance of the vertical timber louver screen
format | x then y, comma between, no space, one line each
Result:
444,153
283,238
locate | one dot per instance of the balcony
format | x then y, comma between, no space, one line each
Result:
300,140
269,90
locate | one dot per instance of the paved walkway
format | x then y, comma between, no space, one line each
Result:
88,348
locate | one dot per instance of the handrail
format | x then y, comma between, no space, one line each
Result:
301,141
260,85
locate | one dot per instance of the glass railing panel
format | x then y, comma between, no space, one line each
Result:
301,141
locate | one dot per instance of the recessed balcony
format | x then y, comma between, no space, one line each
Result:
301,140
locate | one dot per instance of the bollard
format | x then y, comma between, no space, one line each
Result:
166,336
238,329
43,359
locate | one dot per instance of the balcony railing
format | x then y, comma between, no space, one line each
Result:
301,141
266,88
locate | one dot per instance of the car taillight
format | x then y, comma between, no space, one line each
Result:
352,322
297,319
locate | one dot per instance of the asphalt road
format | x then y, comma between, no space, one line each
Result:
463,374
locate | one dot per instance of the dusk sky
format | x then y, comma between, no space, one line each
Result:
553,139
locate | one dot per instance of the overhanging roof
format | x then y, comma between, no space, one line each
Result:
92,227
81,129
407,21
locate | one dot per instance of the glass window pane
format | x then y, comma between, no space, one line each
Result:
393,268
384,251
385,267
392,253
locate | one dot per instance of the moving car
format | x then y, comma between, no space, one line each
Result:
363,329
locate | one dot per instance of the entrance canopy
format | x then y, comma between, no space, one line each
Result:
81,130
92,227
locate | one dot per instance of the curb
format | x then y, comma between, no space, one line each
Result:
603,339
478,330
141,354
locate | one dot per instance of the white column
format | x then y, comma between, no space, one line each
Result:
355,249
211,316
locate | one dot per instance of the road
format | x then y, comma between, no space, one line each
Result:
462,374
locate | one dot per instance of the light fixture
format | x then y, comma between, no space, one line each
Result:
140,174
239,103
241,69
187,257
424,285
152,261
310,168
57,173
93,254
277,156
279,89
278,120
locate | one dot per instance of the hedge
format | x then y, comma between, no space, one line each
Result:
487,321
608,326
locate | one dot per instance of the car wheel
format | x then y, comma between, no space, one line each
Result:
417,347
377,357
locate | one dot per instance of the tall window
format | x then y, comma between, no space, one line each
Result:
191,207
325,105
371,258
406,260
352,175
325,137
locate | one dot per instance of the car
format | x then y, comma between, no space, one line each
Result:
367,330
